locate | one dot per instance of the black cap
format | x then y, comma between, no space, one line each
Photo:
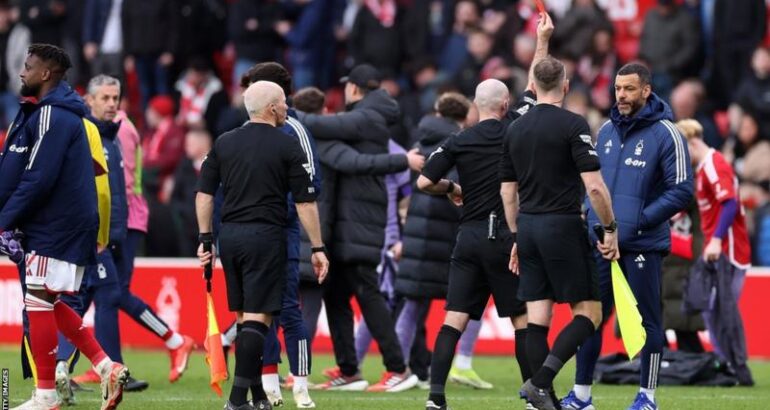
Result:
364,76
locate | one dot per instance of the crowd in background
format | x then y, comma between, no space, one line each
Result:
181,62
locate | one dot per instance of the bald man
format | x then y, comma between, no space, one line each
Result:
479,261
257,167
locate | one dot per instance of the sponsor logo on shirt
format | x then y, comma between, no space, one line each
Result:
635,163
18,150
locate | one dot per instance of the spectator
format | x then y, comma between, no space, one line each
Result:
103,36
45,19
574,33
163,146
738,145
309,39
596,68
150,36
669,43
252,28
197,144
201,96
687,101
376,37
753,93
479,50
203,26
14,40
734,43
455,51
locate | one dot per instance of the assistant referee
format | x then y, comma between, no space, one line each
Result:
548,164
257,167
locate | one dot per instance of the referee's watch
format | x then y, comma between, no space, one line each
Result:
612,227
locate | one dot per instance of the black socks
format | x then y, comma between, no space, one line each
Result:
443,354
565,346
248,363
521,354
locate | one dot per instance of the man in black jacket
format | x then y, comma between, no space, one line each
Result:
357,240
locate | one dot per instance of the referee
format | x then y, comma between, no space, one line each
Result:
257,167
548,164
478,264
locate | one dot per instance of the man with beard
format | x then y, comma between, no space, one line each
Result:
645,162
48,193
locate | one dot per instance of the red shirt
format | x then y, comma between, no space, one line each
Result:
716,182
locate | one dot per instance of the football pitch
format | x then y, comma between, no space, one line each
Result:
192,391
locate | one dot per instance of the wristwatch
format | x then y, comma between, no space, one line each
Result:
316,249
612,227
451,187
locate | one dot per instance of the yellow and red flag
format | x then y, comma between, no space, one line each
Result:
215,356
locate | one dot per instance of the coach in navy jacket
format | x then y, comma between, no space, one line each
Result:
45,159
646,166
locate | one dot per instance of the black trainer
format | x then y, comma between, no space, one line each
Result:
539,398
133,385
244,406
430,405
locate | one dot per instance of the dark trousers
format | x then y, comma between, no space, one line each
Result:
294,332
311,299
344,281
644,272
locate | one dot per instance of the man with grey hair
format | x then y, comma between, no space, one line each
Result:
479,265
257,167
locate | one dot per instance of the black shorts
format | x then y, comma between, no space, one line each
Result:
479,268
556,260
254,260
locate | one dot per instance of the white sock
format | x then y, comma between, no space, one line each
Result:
463,362
300,383
47,396
271,383
582,392
104,366
650,393
174,341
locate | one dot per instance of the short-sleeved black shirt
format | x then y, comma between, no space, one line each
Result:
257,165
545,151
476,154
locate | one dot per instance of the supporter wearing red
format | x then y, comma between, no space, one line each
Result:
723,221
163,148
50,195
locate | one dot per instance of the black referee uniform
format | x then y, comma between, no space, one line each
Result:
545,152
257,166
479,265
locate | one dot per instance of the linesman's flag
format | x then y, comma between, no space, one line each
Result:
629,318
215,356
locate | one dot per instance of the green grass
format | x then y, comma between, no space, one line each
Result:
192,391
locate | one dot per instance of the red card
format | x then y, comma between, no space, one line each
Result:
540,6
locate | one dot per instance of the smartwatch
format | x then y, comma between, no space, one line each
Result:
316,249
612,227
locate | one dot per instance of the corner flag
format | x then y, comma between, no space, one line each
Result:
215,356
